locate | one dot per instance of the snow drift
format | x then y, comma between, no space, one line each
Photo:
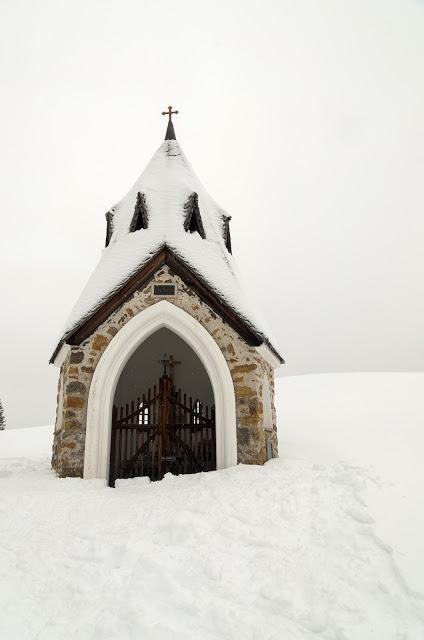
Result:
288,550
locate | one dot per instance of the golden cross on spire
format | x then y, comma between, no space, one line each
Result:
169,113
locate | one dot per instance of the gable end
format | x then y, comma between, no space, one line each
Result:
142,277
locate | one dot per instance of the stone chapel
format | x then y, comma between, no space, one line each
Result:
164,365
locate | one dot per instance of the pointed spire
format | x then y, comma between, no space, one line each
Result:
170,133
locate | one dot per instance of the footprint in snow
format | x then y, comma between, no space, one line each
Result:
360,515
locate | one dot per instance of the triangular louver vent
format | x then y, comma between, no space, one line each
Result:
193,221
140,217
227,235
109,226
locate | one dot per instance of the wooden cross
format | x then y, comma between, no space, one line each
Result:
172,363
169,113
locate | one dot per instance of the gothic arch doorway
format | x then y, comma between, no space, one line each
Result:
110,366
163,417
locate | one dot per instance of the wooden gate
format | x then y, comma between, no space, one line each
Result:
162,431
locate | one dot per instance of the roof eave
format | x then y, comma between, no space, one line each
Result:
164,255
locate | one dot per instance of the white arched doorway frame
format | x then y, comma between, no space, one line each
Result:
112,362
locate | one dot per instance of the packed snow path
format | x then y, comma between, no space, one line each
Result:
285,551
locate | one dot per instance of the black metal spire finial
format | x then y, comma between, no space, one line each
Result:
170,133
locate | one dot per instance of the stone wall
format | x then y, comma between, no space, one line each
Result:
246,366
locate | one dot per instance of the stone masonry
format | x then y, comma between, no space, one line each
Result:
248,370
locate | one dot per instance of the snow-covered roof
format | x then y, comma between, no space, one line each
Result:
166,184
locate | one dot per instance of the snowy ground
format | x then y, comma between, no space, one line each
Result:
286,551
374,420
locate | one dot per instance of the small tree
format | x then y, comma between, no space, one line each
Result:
2,418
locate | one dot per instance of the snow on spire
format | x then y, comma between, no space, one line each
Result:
164,193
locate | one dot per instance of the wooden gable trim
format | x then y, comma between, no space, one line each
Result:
141,278
212,300
136,281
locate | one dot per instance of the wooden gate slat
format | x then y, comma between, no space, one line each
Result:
184,444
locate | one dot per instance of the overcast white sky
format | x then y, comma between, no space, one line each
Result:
303,119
